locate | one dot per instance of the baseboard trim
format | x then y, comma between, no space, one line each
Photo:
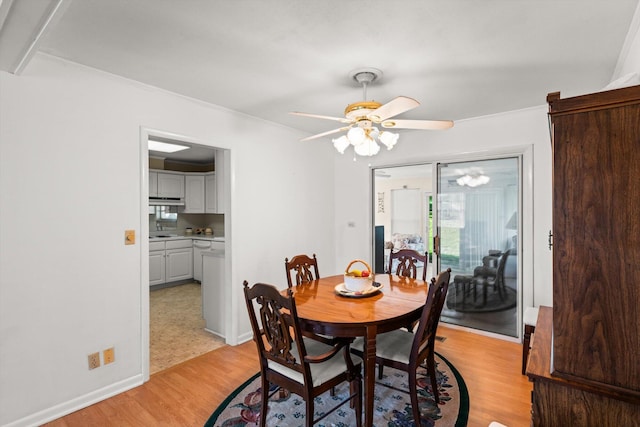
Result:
212,332
248,336
73,405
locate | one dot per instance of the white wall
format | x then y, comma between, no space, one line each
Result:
70,184
509,132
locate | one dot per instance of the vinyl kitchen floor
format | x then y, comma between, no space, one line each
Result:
176,327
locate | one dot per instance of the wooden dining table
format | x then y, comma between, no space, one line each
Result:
322,310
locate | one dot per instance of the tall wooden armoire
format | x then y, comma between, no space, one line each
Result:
585,357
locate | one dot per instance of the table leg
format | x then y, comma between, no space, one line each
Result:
369,373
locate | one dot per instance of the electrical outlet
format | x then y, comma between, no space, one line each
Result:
94,360
109,356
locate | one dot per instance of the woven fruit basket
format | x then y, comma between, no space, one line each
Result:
358,280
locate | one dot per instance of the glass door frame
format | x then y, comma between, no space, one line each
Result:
525,272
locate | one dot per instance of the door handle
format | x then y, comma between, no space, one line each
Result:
436,245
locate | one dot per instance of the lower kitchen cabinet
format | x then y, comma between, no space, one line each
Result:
157,263
179,260
170,261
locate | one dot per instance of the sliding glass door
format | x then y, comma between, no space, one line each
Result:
465,215
477,237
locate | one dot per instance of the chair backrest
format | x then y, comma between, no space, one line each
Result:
408,263
426,331
275,334
304,268
501,266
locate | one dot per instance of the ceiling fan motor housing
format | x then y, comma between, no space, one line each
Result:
360,112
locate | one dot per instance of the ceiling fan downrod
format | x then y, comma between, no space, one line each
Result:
364,77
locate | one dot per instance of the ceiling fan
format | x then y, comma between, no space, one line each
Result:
362,118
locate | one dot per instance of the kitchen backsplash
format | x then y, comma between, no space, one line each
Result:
214,221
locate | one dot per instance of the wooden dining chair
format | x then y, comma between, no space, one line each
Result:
303,268
406,351
305,367
407,263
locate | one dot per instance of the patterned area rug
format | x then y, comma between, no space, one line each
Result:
392,408
176,327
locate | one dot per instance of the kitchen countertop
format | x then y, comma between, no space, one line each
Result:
173,236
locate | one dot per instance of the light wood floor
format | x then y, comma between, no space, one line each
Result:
187,394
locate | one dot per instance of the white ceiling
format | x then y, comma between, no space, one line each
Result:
458,58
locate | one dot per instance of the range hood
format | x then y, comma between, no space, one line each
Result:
166,201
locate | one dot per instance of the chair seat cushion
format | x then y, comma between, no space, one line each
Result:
394,345
530,316
320,372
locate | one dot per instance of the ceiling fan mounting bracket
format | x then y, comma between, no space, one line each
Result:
365,76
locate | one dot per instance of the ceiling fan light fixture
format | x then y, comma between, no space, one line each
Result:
389,139
356,136
368,148
341,143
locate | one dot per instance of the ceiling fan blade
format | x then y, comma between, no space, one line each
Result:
392,108
417,124
318,116
319,135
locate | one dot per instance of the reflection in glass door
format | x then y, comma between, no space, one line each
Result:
477,237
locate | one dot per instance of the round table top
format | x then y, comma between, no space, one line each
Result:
399,300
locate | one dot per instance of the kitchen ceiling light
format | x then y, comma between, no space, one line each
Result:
165,147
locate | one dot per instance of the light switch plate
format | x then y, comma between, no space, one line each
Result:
129,237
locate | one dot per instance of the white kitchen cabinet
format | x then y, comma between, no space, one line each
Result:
157,275
211,198
153,184
214,291
170,261
171,185
194,199
179,260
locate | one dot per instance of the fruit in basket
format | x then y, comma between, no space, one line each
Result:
356,280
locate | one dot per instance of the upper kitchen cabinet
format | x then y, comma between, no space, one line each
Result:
201,193
170,185
211,197
194,201
166,184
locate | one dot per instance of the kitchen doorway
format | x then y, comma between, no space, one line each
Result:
463,225
176,308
